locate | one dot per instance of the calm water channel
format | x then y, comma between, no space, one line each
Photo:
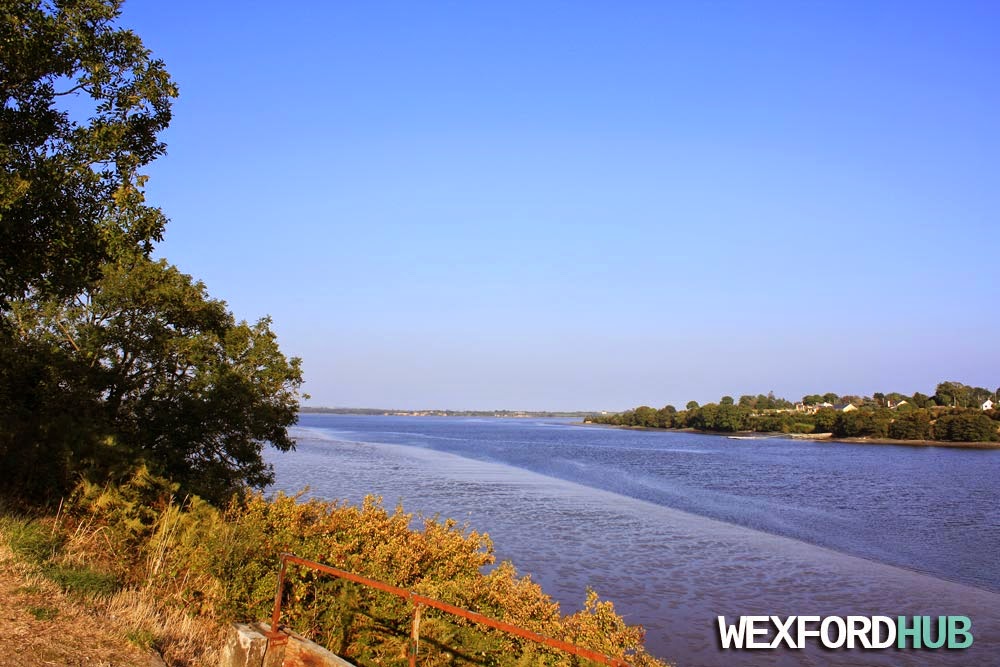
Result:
679,528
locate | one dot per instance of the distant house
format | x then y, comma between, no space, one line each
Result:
892,405
987,404
845,407
812,409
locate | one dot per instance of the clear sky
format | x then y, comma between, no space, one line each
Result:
591,205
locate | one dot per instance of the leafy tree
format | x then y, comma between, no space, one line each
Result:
729,418
862,423
82,104
703,418
966,427
831,398
726,400
824,420
747,401
914,425
665,416
644,416
692,405
158,373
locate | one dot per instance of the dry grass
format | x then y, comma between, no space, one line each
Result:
48,628
130,627
179,638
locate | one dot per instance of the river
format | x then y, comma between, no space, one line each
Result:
678,528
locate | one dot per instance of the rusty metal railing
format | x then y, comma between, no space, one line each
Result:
421,601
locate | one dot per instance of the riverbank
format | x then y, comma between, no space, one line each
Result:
817,437
678,529
169,575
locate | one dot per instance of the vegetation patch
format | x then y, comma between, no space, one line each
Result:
32,540
82,580
43,613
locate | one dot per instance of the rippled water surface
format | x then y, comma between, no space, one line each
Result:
679,528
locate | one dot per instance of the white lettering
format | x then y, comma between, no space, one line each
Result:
824,631
757,632
783,635
731,635
858,627
804,632
890,631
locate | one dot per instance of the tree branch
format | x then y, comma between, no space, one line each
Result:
68,337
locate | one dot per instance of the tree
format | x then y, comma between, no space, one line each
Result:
915,425
726,400
645,416
157,373
729,418
82,104
966,427
692,405
824,420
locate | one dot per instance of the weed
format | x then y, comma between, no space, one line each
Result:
144,639
82,580
43,613
32,540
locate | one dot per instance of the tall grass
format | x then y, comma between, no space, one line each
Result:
171,572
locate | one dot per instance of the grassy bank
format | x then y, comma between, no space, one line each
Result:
170,573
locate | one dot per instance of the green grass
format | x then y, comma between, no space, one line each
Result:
31,540
43,613
144,639
82,580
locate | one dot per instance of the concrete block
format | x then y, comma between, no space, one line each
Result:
300,652
245,647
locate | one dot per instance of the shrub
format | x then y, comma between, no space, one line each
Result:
966,427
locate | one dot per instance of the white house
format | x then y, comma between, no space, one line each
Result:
987,404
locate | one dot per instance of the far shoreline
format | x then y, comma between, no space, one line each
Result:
813,437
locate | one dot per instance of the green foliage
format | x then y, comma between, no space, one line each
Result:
966,427
31,540
912,425
82,580
144,368
956,394
82,104
144,639
881,416
43,613
224,564
862,424
644,416
108,360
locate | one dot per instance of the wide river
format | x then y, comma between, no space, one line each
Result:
679,528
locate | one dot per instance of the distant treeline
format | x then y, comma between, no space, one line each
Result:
954,413
444,413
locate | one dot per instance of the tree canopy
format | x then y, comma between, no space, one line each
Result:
83,103
110,361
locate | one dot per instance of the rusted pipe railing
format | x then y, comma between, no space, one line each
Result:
420,601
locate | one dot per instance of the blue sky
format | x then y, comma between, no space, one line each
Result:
554,205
